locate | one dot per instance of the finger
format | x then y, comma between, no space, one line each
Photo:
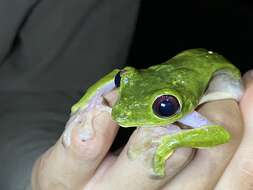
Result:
208,164
111,97
71,166
239,173
134,173
100,172
247,78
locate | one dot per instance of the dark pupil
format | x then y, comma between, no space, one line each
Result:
166,105
117,79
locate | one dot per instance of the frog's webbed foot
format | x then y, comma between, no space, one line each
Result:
203,135
223,85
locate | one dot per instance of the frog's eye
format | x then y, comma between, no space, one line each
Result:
166,105
117,79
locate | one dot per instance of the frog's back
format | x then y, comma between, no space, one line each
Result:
199,62
203,61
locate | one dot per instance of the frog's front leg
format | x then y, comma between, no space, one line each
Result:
203,135
90,105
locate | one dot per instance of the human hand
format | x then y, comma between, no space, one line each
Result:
88,165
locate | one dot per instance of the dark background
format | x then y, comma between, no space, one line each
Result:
165,28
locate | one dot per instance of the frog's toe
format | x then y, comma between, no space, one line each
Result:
159,166
159,163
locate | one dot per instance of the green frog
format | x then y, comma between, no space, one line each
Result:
169,93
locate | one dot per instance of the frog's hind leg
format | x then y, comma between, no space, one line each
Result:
203,137
223,85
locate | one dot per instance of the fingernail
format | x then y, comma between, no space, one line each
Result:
248,78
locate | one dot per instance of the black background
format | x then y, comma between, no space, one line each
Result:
165,28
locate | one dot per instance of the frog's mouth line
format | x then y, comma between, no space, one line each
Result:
180,125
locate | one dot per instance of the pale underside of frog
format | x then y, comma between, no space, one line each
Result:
164,94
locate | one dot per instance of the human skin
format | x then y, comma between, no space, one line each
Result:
88,165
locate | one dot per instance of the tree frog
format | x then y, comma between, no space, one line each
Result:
167,93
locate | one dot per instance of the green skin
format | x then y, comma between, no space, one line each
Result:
186,76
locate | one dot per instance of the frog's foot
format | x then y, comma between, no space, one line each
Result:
224,85
161,155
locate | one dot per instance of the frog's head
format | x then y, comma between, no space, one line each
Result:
145,100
